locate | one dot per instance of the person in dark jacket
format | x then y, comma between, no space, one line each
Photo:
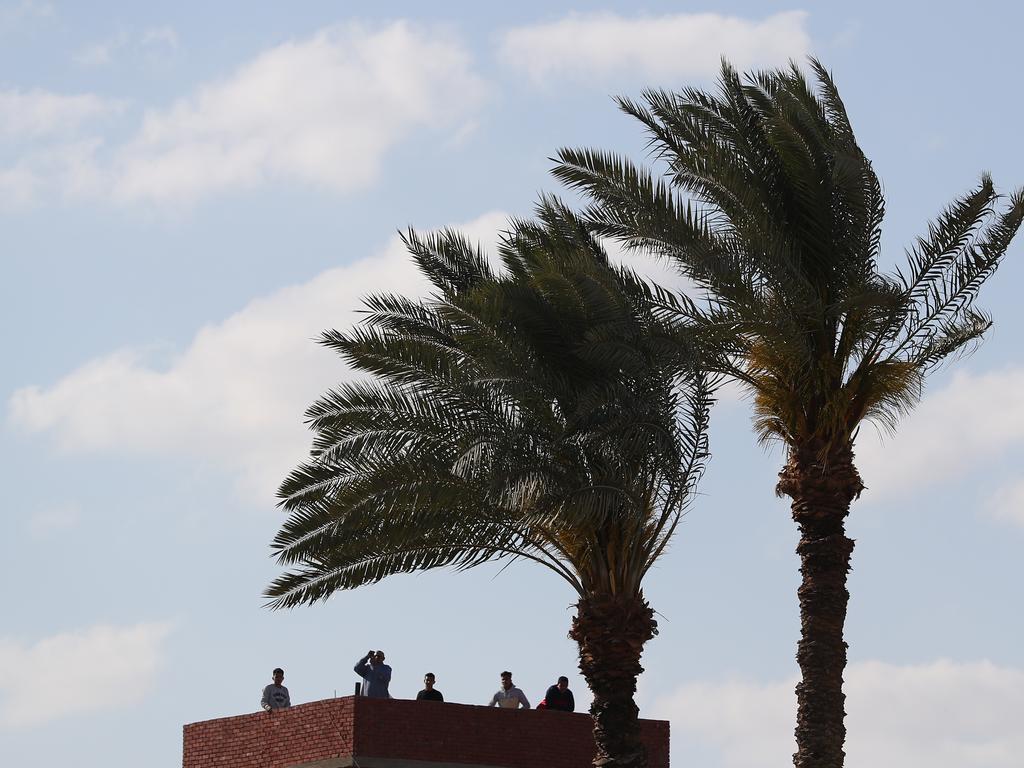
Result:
559,697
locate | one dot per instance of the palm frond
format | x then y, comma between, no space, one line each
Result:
448,260
543,413
762,195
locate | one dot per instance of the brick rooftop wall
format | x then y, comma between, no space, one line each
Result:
397,730
302,734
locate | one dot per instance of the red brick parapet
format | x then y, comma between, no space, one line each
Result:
389,733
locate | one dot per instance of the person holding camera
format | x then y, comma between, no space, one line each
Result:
376,675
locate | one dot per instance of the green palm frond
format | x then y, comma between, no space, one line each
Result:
545,413
947,239
766,201
949,269
643,213
448,260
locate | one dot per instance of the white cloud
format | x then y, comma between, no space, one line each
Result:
235,397
943,715
44,129
50,520
164,36
37,113
96,54
18,186
323,111
582,46
99,668
974,418
18,14
1007,503
153,42
68,167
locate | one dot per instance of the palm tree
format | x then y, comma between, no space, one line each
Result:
768,204
533,413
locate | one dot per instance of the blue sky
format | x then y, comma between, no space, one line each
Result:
189,194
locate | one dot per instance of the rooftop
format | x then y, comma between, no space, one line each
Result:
389,733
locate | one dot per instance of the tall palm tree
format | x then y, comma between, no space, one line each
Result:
534,413
768,204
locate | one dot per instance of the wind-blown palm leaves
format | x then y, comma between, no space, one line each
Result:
535,412
772,209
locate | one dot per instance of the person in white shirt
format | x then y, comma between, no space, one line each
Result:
275,696
508,696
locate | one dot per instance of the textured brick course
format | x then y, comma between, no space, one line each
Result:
398,729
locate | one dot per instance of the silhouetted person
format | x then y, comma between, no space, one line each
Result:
376,675
508,696
429,692
559,697
275,695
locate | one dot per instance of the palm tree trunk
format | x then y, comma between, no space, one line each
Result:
611,631
821,485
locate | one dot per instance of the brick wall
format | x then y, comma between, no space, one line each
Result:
302,734
397,729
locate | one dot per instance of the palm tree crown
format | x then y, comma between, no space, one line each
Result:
771,208
535,412
785,239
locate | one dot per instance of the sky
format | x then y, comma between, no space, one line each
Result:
190,193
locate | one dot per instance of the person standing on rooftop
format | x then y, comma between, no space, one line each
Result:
508,696
376,675
559,697
429,692
275,695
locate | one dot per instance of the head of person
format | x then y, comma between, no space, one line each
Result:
378,657
506,680
563,683
428,680
278,675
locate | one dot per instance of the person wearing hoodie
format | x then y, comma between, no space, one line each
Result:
376,675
